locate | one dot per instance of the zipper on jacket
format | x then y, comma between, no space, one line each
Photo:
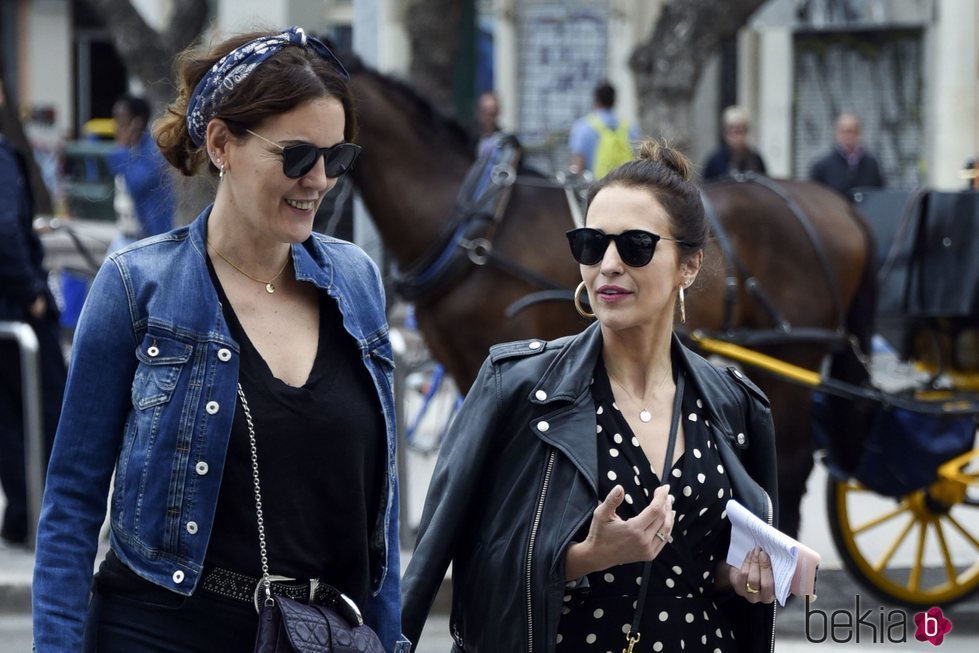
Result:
771,521
530,550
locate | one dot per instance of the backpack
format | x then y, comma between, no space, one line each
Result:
613,147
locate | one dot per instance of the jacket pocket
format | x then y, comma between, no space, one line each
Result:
161,360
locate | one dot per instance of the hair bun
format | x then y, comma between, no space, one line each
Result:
668,157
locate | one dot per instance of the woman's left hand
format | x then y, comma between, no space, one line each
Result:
755,580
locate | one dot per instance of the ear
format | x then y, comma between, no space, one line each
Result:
690,267
218,142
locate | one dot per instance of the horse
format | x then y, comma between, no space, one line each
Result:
794,256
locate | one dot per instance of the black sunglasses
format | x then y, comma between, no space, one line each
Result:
635,246
299,159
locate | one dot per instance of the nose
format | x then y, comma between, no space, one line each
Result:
611,264
316,178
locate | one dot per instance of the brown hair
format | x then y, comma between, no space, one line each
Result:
286,80
666,174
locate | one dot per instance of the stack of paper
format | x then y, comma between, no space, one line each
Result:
794,565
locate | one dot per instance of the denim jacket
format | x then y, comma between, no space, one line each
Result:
151,395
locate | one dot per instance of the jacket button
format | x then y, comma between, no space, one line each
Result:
201,468
541,395
212,407
535,344
192,527
153,351
741,438
178,576
224,355
542,426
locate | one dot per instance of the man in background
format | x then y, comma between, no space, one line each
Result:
144,200
734,156
599,141
487,121
848,165
24,297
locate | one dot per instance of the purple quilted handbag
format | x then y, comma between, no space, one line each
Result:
292,627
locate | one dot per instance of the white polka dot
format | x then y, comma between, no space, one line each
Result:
700,404
618,438
663,616
567,598
702,510
719,633
680,518
692,417
628,499
645,491
613,452
720,493
696,452
615,406
676,472
687,490
560,638
636,479
636,470
591,638
706,575
638,580
677,570
611,475
670,582
703,639
724,514
705,615
689,617
717,650
720,468
683,645
627,628
635,442
701,477
601,409
599,613
598,428
657,646
565,610
609,578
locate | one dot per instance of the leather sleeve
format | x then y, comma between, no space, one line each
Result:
451,500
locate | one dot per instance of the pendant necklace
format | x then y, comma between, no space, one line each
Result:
644,415
269,285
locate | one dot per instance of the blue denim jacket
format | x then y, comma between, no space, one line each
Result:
151,394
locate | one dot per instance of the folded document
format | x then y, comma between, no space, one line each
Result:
794,564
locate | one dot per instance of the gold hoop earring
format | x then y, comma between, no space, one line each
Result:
683,307
577,302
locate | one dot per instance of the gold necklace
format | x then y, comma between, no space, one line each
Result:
269,286
644,415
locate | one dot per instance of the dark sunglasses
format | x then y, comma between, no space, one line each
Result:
635,246
299,159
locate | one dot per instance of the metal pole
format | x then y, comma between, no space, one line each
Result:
33,434
400,348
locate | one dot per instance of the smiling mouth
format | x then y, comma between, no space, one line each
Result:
302,205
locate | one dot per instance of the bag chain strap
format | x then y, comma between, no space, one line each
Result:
266,580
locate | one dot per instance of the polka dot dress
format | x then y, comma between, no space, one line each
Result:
680,614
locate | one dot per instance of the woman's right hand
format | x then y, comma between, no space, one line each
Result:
614,541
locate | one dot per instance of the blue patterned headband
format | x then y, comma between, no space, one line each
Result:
233,68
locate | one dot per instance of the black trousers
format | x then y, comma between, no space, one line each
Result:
202,623
12,468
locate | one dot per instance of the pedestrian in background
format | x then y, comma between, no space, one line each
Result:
735,155
600,141
848,165
235,376
24,297
143,200
487,121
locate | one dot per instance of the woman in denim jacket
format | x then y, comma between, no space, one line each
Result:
237,360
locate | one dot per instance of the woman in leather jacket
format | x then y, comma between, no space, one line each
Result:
623,417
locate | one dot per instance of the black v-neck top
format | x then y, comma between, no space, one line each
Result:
321,464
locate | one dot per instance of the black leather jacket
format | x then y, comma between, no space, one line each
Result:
517,477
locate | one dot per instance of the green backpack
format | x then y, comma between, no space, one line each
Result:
613,147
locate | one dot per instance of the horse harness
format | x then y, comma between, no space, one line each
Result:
783,331
467,236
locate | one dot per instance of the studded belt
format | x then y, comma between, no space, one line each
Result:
249,589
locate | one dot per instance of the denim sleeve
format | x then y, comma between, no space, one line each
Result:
97,401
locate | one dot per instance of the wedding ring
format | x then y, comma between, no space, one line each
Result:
661,536
750,589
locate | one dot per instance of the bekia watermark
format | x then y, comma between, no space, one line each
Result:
874,625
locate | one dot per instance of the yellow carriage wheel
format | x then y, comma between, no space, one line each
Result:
919,550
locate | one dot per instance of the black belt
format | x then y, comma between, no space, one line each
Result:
249,589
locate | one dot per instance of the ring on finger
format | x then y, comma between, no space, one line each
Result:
666,539
751,590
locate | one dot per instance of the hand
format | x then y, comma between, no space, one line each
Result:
755,573
614,541
38,308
